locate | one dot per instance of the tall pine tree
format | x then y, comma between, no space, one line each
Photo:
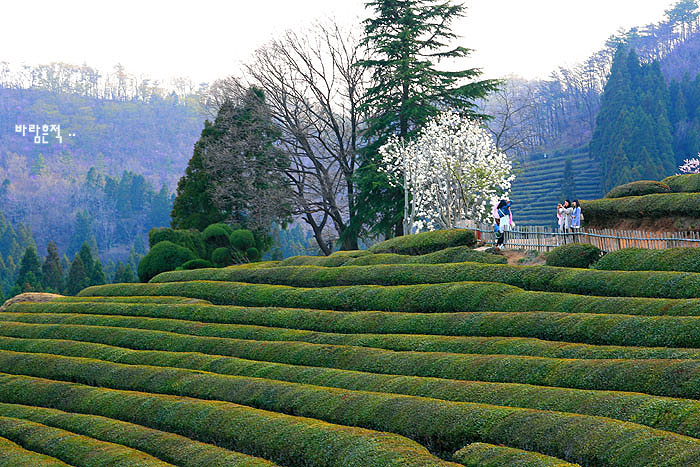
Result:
406,40
193,207
29,275
633,138
77,278
52,269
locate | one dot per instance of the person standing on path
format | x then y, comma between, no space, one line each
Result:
566,212
576,217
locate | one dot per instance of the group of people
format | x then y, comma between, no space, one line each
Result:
569,216
502,221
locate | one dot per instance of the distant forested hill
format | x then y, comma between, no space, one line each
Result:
125,143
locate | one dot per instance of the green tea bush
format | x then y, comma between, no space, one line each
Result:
604,210
576,437
683,333
639,188
253,254
672,378
190,239
652,284
197,264
222,257
425,298
285,439
488,455
216,236
426,242
687,183
69,447
242,239
12,454
164,256
638,259
139,300
674,415
170,447
574,255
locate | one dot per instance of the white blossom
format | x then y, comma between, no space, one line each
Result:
450,173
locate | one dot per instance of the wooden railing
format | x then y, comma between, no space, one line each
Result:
544,239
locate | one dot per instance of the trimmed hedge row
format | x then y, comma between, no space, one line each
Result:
441,425
288,440
687,183
169,447
638,259
72,448
638,337
458,254
13,455
674,378
430,298
426,242
488,455
652,206
638,188
145,300
574,255
676,415
648,284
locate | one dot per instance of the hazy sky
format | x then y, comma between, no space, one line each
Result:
205,40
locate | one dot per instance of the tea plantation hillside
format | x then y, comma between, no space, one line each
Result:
420,352
538,188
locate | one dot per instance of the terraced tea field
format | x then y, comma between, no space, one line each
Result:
406,364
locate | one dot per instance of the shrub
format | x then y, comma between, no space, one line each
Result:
285,439
640,188
170,447
242,239
577,437
426,242
651,284
69,447
253,254
141,300
12,454
662,413
688,183
190,239
488,455
197,264
602,211
222,257
216,236
451,333
574,255
664,377
638,259
164,256
424,298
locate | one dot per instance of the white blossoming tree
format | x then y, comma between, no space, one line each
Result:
690,166
450,173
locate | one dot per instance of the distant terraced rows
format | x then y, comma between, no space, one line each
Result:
536,191
372,365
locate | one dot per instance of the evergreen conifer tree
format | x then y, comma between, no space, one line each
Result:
193,207
77,278
29,274
406,39
52,270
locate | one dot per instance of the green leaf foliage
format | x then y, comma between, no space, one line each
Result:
603,211
574,255
639,188
242,239
688,183
488,455
190,239
426,242
197,264
222,257
164,256
637,259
